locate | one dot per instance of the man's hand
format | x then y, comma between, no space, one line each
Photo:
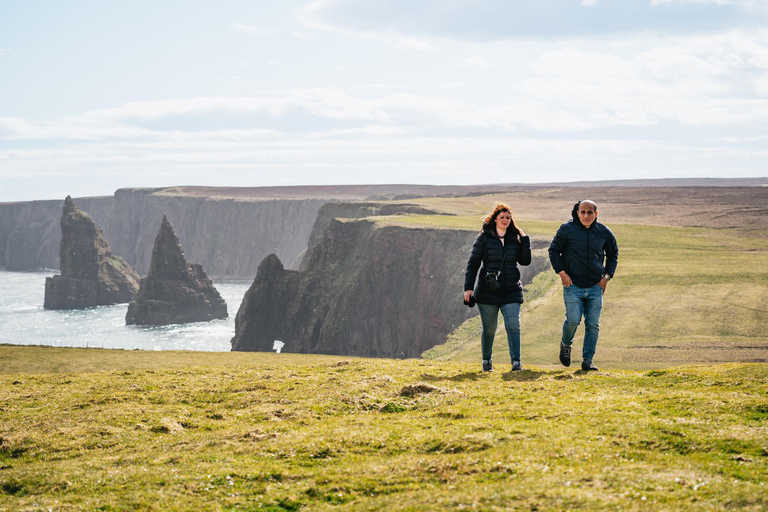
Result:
467,295
566,279
603,282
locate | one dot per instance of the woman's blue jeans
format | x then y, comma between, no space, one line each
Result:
489,315
586,302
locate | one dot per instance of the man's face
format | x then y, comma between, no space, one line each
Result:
587,213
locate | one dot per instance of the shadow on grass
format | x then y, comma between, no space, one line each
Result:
461,377
523,375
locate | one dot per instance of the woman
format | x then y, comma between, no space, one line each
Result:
500,246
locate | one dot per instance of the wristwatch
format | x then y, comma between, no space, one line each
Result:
607,277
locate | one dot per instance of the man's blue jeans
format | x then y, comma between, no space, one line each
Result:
489,316
586,302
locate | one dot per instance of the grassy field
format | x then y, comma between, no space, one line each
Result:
89,429
324,433
681,295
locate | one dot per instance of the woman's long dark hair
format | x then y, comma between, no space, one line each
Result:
489,222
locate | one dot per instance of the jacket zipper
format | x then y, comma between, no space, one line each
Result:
587,255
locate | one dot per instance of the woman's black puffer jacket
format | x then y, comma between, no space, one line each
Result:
487,255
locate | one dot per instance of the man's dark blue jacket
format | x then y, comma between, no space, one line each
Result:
584,253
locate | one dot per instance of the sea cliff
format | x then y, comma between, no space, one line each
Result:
174,291
91,275
228,236
368,289
30,232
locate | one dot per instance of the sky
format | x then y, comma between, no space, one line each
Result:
97,95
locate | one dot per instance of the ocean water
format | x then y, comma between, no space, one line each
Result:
23,321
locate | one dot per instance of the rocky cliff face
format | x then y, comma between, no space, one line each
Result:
368,290
229,236
30,232
174,291
352,210
90,274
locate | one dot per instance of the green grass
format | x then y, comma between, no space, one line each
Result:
681,295
323,433
464,222
38,359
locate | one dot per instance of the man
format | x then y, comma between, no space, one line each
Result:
584,254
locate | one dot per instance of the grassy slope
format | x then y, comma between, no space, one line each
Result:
35,359
321,434
127,430
681,295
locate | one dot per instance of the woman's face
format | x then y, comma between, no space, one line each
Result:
503,219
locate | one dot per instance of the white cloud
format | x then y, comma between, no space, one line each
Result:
380,157
380,86
407,43
633,107
454,85
503,19
258,32
309,15
699,81
476,62
692,82
351,69
322,103
566,87
716,2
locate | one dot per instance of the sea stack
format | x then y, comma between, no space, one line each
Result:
90,274
174,291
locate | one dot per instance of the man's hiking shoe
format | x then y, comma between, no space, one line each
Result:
565,354
487,365
587,366
517,366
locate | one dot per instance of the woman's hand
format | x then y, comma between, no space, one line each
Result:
467,295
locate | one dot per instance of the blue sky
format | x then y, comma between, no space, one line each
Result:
98,95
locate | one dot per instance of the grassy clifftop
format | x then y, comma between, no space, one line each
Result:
325,433
682,294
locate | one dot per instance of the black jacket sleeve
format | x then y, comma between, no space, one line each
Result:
556,249
611,254
475,260
524,251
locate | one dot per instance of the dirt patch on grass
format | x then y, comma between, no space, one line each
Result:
422,388
168,426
